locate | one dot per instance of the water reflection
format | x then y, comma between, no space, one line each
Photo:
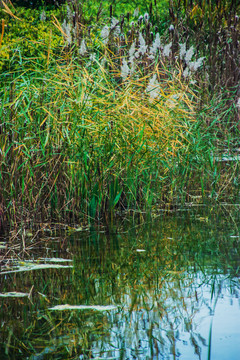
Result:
177,299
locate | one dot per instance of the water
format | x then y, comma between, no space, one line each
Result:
166,288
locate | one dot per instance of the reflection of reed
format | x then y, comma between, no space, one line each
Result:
167,295
159,322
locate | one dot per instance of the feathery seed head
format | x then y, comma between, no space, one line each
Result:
143,47
43,16
167,49
146,17
114,26
155,45
70,13
114,22
189,54
66,27
186,72
92,57
83,48
132,51
124,69
182,51
105,34
136,12
133,68
238,104
153,88
194,65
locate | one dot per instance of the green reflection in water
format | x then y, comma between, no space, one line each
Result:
174,281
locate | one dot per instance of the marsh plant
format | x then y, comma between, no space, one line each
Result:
215,28
110,119
134,44
80,143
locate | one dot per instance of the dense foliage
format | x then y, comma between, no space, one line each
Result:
104,112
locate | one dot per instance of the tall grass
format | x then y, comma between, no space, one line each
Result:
214,29
75,143
110,121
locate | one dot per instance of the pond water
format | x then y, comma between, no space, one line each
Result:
165,288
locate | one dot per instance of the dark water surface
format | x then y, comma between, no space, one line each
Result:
166,288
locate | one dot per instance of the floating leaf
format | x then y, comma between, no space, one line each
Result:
55,260
84,307
31,266
13,294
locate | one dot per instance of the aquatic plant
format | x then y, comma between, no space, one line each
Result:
111,119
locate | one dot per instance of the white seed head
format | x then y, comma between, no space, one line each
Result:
136,12
171,27
182,51
115,26
189,54
132,51
186,72
70,13
105,34
194,65
83,48
92,57
155,45
151,57
124,69
43,16
143,47
117,30
167,49
238,104
133,68
114,22
153,88
66,27
146,16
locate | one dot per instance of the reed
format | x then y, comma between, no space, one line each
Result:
76,144
112,119
214,29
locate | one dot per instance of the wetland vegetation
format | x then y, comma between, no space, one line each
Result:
119,179
103,112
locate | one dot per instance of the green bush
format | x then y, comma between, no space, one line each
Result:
26,36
